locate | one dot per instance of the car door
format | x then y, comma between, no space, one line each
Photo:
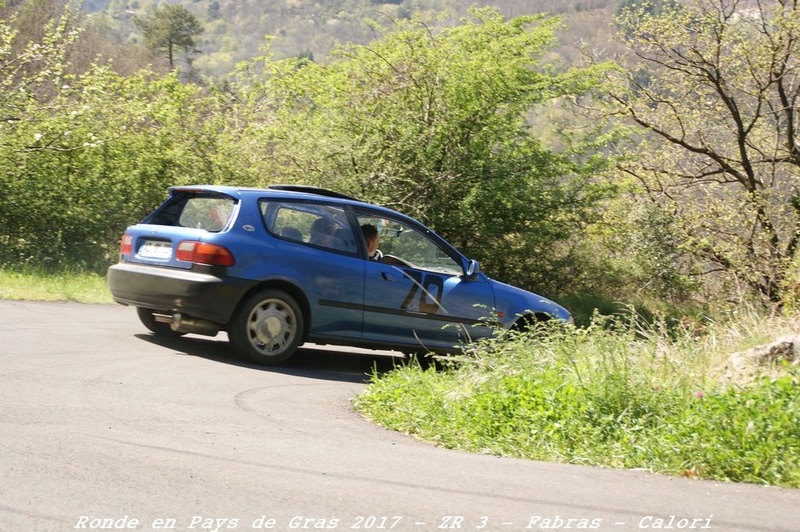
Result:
417,294
316,250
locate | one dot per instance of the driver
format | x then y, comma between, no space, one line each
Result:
372,237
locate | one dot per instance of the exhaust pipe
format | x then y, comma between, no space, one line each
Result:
187,324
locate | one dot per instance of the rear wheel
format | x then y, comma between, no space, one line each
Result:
148,319
267,327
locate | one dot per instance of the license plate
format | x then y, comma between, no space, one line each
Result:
156,249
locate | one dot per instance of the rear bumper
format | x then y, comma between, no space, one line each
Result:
202,295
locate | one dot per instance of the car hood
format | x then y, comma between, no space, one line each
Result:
515,302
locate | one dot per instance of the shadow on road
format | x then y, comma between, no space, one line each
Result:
333,363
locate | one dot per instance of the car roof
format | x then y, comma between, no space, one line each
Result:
284,191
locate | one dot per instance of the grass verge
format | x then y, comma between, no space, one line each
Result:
61,286
612,394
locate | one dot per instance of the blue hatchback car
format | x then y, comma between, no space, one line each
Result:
281,266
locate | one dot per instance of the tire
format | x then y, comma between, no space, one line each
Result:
529,322
267,327
156,327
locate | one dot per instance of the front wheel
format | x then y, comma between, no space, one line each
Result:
267,327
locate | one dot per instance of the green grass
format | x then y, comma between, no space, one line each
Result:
616,396
54,286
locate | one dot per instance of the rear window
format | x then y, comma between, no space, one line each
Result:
207,212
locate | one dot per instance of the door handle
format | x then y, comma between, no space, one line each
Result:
388,277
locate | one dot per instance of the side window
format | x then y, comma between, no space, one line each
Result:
326,226
398,240
289,223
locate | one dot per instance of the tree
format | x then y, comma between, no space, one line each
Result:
713,87
170,28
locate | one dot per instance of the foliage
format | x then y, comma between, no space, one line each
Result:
84,154
714,87
416,120
652,7
613,394
433,123
466,126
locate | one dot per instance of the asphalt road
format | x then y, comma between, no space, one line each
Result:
103,427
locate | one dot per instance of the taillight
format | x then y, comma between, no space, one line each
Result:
126,244
204,253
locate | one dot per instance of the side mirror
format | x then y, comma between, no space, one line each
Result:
472,269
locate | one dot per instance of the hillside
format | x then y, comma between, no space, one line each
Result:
235,30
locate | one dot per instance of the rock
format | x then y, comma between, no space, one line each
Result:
756,361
